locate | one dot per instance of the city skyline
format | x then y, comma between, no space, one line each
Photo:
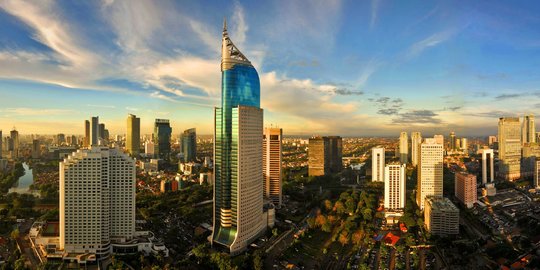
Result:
428,67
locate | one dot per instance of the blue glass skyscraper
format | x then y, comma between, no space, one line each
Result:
238,190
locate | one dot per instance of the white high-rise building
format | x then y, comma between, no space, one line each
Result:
403,147
377,164
464,145
394,186
149,148
416,140
272,159
430,171
97,201
488,168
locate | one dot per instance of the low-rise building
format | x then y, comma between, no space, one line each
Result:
441,216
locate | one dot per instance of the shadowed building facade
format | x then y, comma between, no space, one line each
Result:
238,134
133,136
189,145
272,158
162,138
324,155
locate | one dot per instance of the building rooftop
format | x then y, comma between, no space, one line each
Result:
441,204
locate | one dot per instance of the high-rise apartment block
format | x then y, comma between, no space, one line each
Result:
465,188
97,201
189,145
509,148
377,164
403,148
133,136
528,129
488,168
162,138
416,140
430,171
441,216
324,155
394,186
238,145
272,168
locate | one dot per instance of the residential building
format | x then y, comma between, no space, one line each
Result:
509,148
441,216
394,186
133,136
430,171
238,188
465,188
272,165
377,164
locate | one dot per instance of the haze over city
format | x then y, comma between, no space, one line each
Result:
355,68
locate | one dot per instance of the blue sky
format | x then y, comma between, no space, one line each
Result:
351,68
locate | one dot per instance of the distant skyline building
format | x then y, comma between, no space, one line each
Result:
465,188
509,148
430,171
439,139
94,131
536,179
528,129
488,167
14,135
403,147
530,152
133,136
416,140
36,149
272,165
324,155
86,140
189,145
452,141
1,145
60,138
149,148
377,164
162,138
97,201
492,140
238,134
441,216
464,145
394,186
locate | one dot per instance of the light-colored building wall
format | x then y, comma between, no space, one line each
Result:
488,168
403,148
416,140
394,186
441,216
430,171
272,168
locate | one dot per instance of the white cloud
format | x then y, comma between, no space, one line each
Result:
23,111
374,12
431,41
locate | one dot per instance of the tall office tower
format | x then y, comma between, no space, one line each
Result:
465,188
492,140
162,138
488,169
430,171
97,201
189,144
416,140
238,130
105,135
1,146
538,136
394,186
403,147
94,130
452,140
133,136
73,140
36,149
441,216
272,159
439,139
464,144
149,148
377,164
335,148
509,148
14,134
102,131
60,139
528,130
536,180
529,153
86,140
318,156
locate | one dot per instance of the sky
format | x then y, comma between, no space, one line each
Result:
349,68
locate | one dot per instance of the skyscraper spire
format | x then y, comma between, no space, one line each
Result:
224,25
230,54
